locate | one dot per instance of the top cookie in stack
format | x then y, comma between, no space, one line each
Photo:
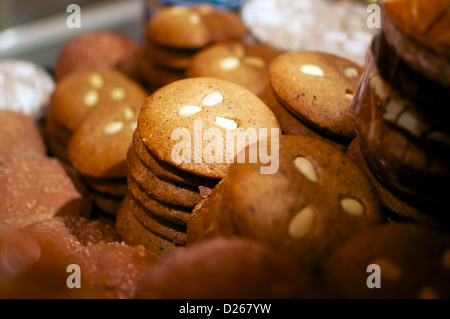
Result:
174,35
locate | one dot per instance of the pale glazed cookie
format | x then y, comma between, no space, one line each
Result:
25,87
412,262
319,88
36,188
335,27
99,50
242,63
192,27
135,234
248,269
165,191
187,106
19,135
313,203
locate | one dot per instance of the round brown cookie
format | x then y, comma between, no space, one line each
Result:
97,50
413,261
19,136
242,63
169,57
419,34
208,219
57,149
165,171
164,191
80,92
193,27
389,200
174,214
174,119
107,204
114,187
56,132
172,232
134,233
98,146
36,188
319,88
25,87
315,200
289,123
247,270
406,147
157,76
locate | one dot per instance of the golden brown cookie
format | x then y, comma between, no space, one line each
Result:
390,200
174,214
97,50
165,171
165,191
99,144
176,117
411,262
169,57
193,27
134,233
19,136
242,63
247,269
114,187
156,76
314,202
318,88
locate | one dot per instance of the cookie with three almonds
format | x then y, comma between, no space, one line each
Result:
318,88
407,261
193,27
314,202
186,123
242,63
99,50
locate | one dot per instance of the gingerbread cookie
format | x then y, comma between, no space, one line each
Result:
242,63
406,261
318,88
193,27
192,273
99,50
165,191
314,202
188,108
134,233
169,57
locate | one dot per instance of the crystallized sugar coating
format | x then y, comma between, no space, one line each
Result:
24,87
312,25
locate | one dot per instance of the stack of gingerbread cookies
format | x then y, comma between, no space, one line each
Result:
402,114
174,161
91,120
174,34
